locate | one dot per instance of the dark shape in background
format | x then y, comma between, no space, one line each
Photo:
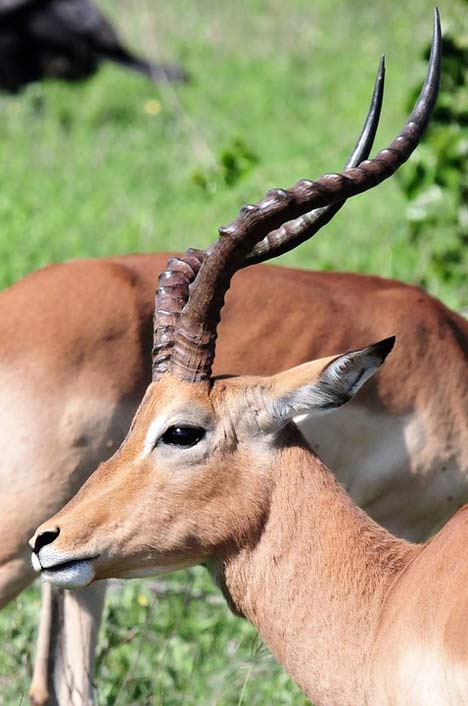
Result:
64,39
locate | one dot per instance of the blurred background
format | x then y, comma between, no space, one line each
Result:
115,164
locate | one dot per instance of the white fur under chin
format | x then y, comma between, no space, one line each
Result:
76,575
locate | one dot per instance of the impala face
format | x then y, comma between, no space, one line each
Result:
196,470
163,501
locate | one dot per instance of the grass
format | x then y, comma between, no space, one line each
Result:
168,643
91,169
279,91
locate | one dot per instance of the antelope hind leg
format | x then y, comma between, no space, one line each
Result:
65,658
39,694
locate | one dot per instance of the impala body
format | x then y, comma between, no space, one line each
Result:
215,471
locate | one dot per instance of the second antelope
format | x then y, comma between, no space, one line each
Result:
221,475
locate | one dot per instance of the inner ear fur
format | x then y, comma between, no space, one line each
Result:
323,384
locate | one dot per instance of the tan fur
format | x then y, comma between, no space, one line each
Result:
352,613
85,331
74,366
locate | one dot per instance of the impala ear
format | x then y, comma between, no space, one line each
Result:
323,384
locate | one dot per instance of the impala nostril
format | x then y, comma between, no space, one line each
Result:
44,538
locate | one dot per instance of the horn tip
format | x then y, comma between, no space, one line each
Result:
437,27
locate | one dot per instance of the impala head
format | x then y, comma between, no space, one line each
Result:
195,472
194,475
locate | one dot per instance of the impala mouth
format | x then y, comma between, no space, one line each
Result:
72,573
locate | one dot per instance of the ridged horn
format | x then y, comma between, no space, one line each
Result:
174,282
194,347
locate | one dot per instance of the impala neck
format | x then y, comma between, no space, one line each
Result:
314,582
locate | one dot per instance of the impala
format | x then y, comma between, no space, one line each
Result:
221,475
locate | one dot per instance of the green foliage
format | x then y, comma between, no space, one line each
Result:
165,643
279,92
18,628
232,164
184,648
436,180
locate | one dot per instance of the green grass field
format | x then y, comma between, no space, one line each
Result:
114,165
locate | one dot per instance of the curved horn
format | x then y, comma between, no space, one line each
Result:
174,282
352,181
193,351
171,297
292,234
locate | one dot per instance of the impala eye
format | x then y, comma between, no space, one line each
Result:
183,436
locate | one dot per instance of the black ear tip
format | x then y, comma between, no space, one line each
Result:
383,348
